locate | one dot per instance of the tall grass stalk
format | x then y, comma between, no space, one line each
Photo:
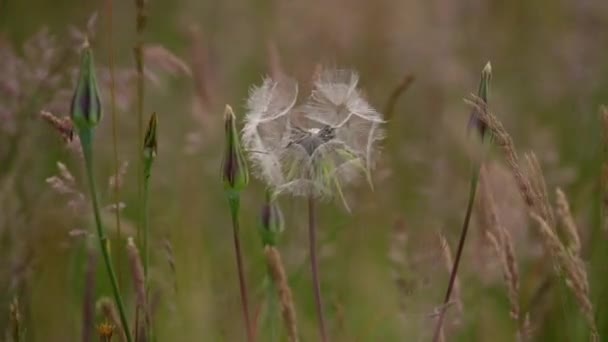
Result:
140,24
116,186
149,154
474,123
314,265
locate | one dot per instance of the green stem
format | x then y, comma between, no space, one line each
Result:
315,266
145,218
234,201
146,239
463,236
86,140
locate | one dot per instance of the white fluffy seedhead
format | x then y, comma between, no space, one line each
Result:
317,147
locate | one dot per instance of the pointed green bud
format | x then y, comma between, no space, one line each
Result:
234,167
85,108
150,139
272,222
482,93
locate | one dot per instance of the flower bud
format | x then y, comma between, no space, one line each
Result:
482,93
85,108
234,167
150,139
272,222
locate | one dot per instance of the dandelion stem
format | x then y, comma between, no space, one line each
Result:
315,267
86,139
234,201
463,236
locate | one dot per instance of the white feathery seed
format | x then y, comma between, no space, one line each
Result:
315,148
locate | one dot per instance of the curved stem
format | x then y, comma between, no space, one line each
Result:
314,266
86,138
463,236
233,200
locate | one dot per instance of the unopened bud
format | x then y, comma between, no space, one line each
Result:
234,167
482,93
150,139
85,108
272,221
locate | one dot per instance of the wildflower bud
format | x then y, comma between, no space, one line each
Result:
234,167
86,103
272,221
482,93
105,331
150,139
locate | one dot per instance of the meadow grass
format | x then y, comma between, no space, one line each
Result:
526,265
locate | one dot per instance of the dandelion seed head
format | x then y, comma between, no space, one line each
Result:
318,146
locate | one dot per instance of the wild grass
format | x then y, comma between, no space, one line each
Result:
393,266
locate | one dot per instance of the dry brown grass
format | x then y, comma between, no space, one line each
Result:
279,277
501,241
567,261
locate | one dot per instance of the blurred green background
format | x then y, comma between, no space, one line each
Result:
381,267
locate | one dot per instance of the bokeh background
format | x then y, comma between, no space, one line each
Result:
382,269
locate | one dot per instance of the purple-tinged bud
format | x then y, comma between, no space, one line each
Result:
150,144
272,222
85,108
234,167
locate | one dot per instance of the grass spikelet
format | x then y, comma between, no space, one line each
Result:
533,189
503,140
277,272
565,216
139,282
446,253
502,242
573,270
539,188
15,323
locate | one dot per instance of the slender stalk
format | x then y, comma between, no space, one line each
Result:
315,267
86,139
140,23
234,201
463,236
114,129
145,220
146,239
